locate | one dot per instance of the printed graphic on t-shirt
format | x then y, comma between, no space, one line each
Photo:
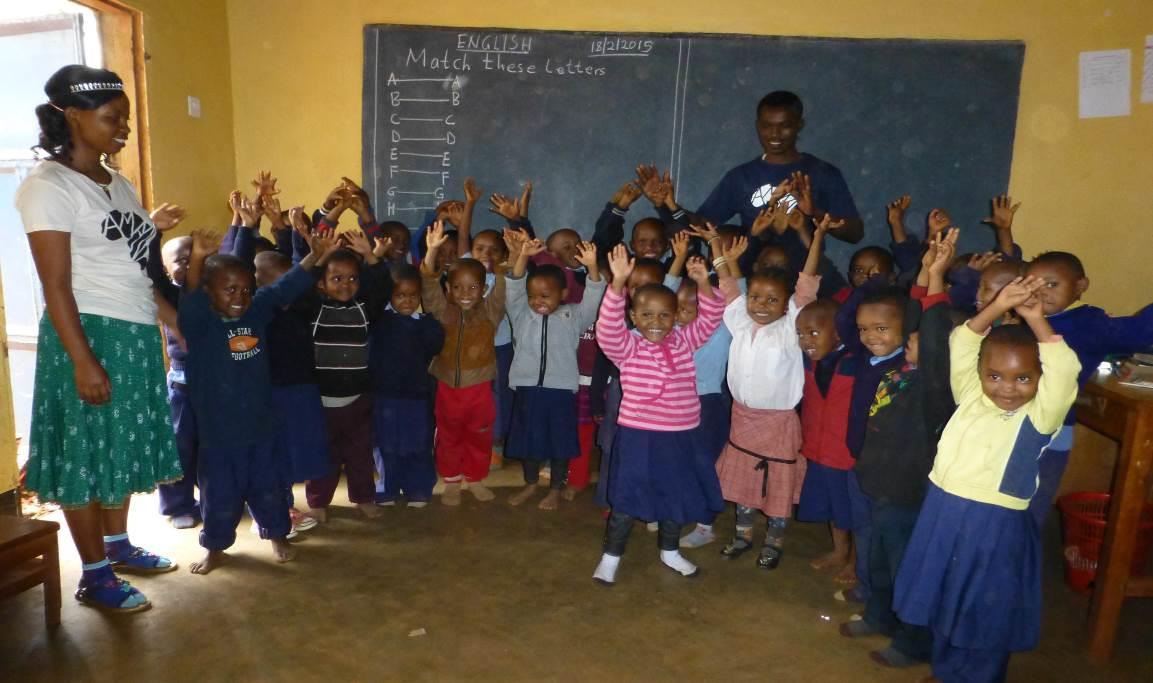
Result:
243,343
135,229
762,194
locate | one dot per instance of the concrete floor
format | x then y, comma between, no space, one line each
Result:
490,592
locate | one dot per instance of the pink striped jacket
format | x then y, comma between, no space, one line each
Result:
658,380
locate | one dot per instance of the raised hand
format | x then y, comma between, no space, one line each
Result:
525,199
827,224
250,210
708,232
1017,292
503,206
628,194
356,241
532,248
698,270
514,240
471,191
621,265
204,243
803,192
895,211
167,216
587,255
454,213
763,220
1003,211
273,213
943,248
383,247
265,184
938,221
737,249
980,262
298,222
435,238
320,246
680,244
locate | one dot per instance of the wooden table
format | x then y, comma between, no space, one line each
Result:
1124,414
28,558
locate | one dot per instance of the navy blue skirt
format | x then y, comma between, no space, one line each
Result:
663,476
402,425
544,425
716,418
972,573
825,497
301,433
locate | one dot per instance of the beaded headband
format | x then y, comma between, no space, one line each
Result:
97,85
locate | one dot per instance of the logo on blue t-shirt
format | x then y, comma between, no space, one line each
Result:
762,194
243,343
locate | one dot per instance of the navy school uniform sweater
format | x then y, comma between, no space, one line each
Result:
1093,334
400,350
910,408
227,363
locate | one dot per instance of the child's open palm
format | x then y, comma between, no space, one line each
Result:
621,265
1003,211
681,244
587,255
698,270
435,238
167,216
938,221
943,248
897,208
737,249
205,243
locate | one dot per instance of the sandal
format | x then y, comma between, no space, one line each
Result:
112,595
140,561
738,547
770,557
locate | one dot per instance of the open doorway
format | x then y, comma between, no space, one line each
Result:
37,37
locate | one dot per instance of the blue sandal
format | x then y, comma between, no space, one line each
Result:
140,561
112,595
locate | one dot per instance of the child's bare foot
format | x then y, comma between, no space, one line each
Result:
833,560
369,509
451,495
522,495
212,559
319,514
481,492
847,576
282,550
551,501
571,492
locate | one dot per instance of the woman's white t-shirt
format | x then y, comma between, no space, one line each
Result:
111,236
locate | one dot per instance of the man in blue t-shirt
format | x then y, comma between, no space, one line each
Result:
745,189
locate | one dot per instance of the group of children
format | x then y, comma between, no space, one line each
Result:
921,406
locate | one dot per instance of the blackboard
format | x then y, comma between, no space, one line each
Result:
575,112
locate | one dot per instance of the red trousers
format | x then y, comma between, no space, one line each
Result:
464,420
578,467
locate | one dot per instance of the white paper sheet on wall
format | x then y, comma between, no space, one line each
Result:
1147,73
1104,83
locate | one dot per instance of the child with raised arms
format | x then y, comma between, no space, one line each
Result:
402,344
972,569
544,372
465,367
225,325
761,468
660,470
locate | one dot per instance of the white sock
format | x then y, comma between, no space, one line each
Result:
673,559
606,571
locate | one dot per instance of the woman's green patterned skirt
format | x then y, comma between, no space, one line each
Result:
79,453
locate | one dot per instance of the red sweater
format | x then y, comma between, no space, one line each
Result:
825,419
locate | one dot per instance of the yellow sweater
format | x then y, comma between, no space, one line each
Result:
986,454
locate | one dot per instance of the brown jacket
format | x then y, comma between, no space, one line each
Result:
468,356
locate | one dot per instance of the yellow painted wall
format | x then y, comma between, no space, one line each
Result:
1087,186
193,160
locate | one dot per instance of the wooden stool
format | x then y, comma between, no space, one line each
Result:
28,557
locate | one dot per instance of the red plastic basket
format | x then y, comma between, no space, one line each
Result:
1084,516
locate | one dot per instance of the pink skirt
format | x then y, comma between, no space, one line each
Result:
762,466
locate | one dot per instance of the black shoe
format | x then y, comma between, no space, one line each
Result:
770,557
738,547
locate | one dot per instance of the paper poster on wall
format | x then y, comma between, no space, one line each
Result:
1147,73
1104,83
